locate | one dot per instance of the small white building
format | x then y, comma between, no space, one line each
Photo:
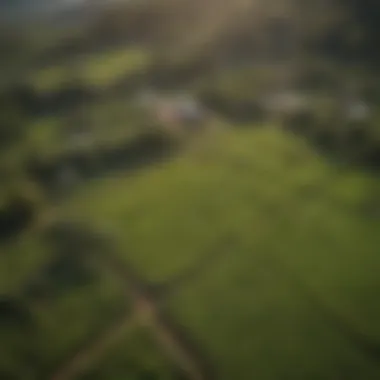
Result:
174,111
357,110
285,102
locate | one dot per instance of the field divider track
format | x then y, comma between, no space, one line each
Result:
147,312
84,357
171,336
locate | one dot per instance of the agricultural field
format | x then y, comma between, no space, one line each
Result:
211,214
101,124
257,242
245,237
97,70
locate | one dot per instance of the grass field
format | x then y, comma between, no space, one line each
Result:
268,253
297,252
210,246
102,69
105,123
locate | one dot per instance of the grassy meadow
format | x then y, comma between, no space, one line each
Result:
296,246
95,70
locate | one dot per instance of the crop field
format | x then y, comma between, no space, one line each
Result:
189,194
99,70
248,238
104,123
256,242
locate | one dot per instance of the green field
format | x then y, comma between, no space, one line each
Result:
105,125
188,194
94,70
267,254
294,275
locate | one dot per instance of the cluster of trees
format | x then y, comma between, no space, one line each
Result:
353,34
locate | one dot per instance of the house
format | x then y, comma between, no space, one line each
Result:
175,111
356,110
285,102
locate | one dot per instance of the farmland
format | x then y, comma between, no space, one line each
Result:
186,197
246,237
287,252
94,70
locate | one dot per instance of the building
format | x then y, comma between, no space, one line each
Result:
174,111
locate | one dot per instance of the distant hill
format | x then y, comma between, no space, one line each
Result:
14,10
23,10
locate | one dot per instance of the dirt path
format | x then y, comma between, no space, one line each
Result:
83,359
148,312
172,337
